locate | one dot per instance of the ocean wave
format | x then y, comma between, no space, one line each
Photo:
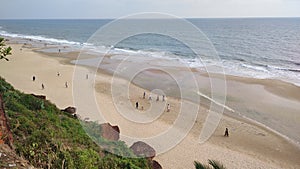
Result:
41,38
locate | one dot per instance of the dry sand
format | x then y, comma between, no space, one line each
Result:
249,145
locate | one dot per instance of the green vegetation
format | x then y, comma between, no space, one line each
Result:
212,165
4,51
49,138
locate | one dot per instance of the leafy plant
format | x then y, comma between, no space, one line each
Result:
4,51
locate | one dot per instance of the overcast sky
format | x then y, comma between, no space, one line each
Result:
58,9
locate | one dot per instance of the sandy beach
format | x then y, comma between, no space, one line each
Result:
249,145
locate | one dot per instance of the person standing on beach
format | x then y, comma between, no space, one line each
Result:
157,98
163,98
226,133
43,87
66,84
137,105
87,76
144,95
168,108
58,74
33,78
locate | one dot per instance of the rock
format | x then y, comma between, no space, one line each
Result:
70,110
142,149
110,132
39,96
155,165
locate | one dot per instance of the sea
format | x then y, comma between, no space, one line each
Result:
264,48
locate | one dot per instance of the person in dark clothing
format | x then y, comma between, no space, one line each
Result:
226,133
137,105
33,78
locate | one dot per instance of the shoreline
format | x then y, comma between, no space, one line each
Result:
214,140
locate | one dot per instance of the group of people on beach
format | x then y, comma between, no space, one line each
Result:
150,98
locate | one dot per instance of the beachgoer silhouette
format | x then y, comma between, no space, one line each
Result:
43,87
157,98
144,95
226,133
58,74
87,76
168,108
66,84
33,78
137,105
150,98
163,99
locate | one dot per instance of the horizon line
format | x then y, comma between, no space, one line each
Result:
243,17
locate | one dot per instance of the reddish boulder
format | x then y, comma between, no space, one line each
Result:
155,165
110,132
142,149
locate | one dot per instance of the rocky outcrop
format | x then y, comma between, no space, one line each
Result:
110,132
70,110
142,149
7,136
39,96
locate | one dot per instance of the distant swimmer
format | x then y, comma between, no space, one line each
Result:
33,78
168,108
226,133
43,87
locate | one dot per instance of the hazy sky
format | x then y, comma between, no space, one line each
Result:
19,9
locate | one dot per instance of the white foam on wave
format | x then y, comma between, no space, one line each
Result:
41,38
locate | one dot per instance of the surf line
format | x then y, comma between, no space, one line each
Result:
214,101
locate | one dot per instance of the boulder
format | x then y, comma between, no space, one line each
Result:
70,110
142,149
110,132
155,165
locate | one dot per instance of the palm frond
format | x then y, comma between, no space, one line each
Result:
216,164
199,165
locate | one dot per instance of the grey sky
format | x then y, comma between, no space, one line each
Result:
36,9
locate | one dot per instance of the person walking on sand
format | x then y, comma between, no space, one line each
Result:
66,84
144,95
58,74
33,78
226,133
43,87
168,108
137,105
163,98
